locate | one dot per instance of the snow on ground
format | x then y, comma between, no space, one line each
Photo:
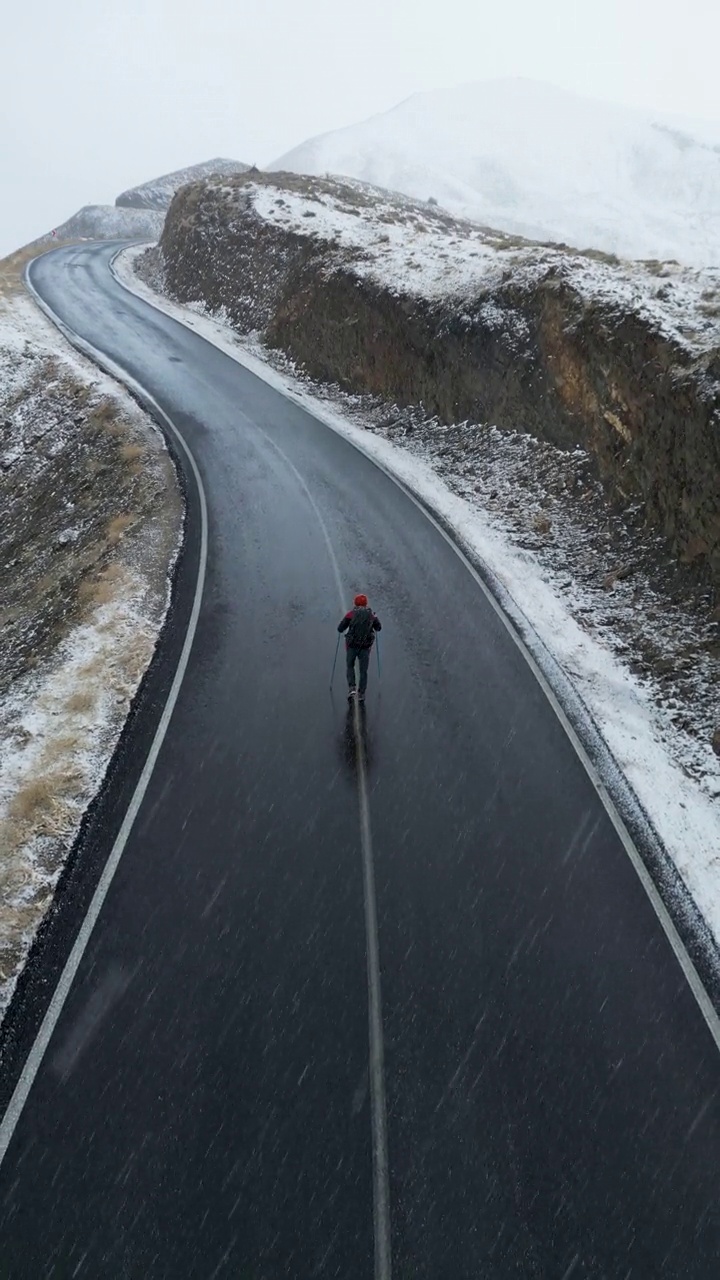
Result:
138,213
411,249
85,573
675,777
100,222
544,163
59,729
106,222
158,192
422,254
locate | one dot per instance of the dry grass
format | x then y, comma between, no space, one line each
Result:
79,392
116,528
44,583
94,669
13,266
45,803
105,415
131,452
658,267
102,589
599,255
80,703
115,428
66,744
41,803
137,657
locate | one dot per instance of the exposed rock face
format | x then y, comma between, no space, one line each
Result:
577,351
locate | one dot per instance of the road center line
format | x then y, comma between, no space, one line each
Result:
378,1102
512,619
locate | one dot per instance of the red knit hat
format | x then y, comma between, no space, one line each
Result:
361,601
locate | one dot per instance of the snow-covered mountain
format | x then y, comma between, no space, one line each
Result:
139,212
541,162
158,193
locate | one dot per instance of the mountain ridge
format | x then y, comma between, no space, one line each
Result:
157,193
541,162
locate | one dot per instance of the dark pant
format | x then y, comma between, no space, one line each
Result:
362,656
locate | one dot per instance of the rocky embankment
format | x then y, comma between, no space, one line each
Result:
391,297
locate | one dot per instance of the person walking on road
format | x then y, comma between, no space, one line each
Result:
360,623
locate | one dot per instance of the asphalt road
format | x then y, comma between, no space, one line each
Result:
203,1108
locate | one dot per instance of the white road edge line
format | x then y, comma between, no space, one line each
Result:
34,1059
682,956
378,1100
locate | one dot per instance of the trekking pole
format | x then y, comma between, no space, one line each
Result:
337,647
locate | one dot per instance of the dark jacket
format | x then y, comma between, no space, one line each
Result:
347,623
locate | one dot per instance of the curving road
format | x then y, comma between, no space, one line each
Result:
537,1095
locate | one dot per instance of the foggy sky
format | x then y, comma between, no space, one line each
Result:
96,98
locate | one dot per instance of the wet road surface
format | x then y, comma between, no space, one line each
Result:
203,1108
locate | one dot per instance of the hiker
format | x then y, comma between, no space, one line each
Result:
361,624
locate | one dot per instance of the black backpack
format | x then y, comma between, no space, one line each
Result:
360,631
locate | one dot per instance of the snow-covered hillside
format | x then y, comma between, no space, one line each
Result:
417,251
103,222
139,213
158,193
106,222
540,162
